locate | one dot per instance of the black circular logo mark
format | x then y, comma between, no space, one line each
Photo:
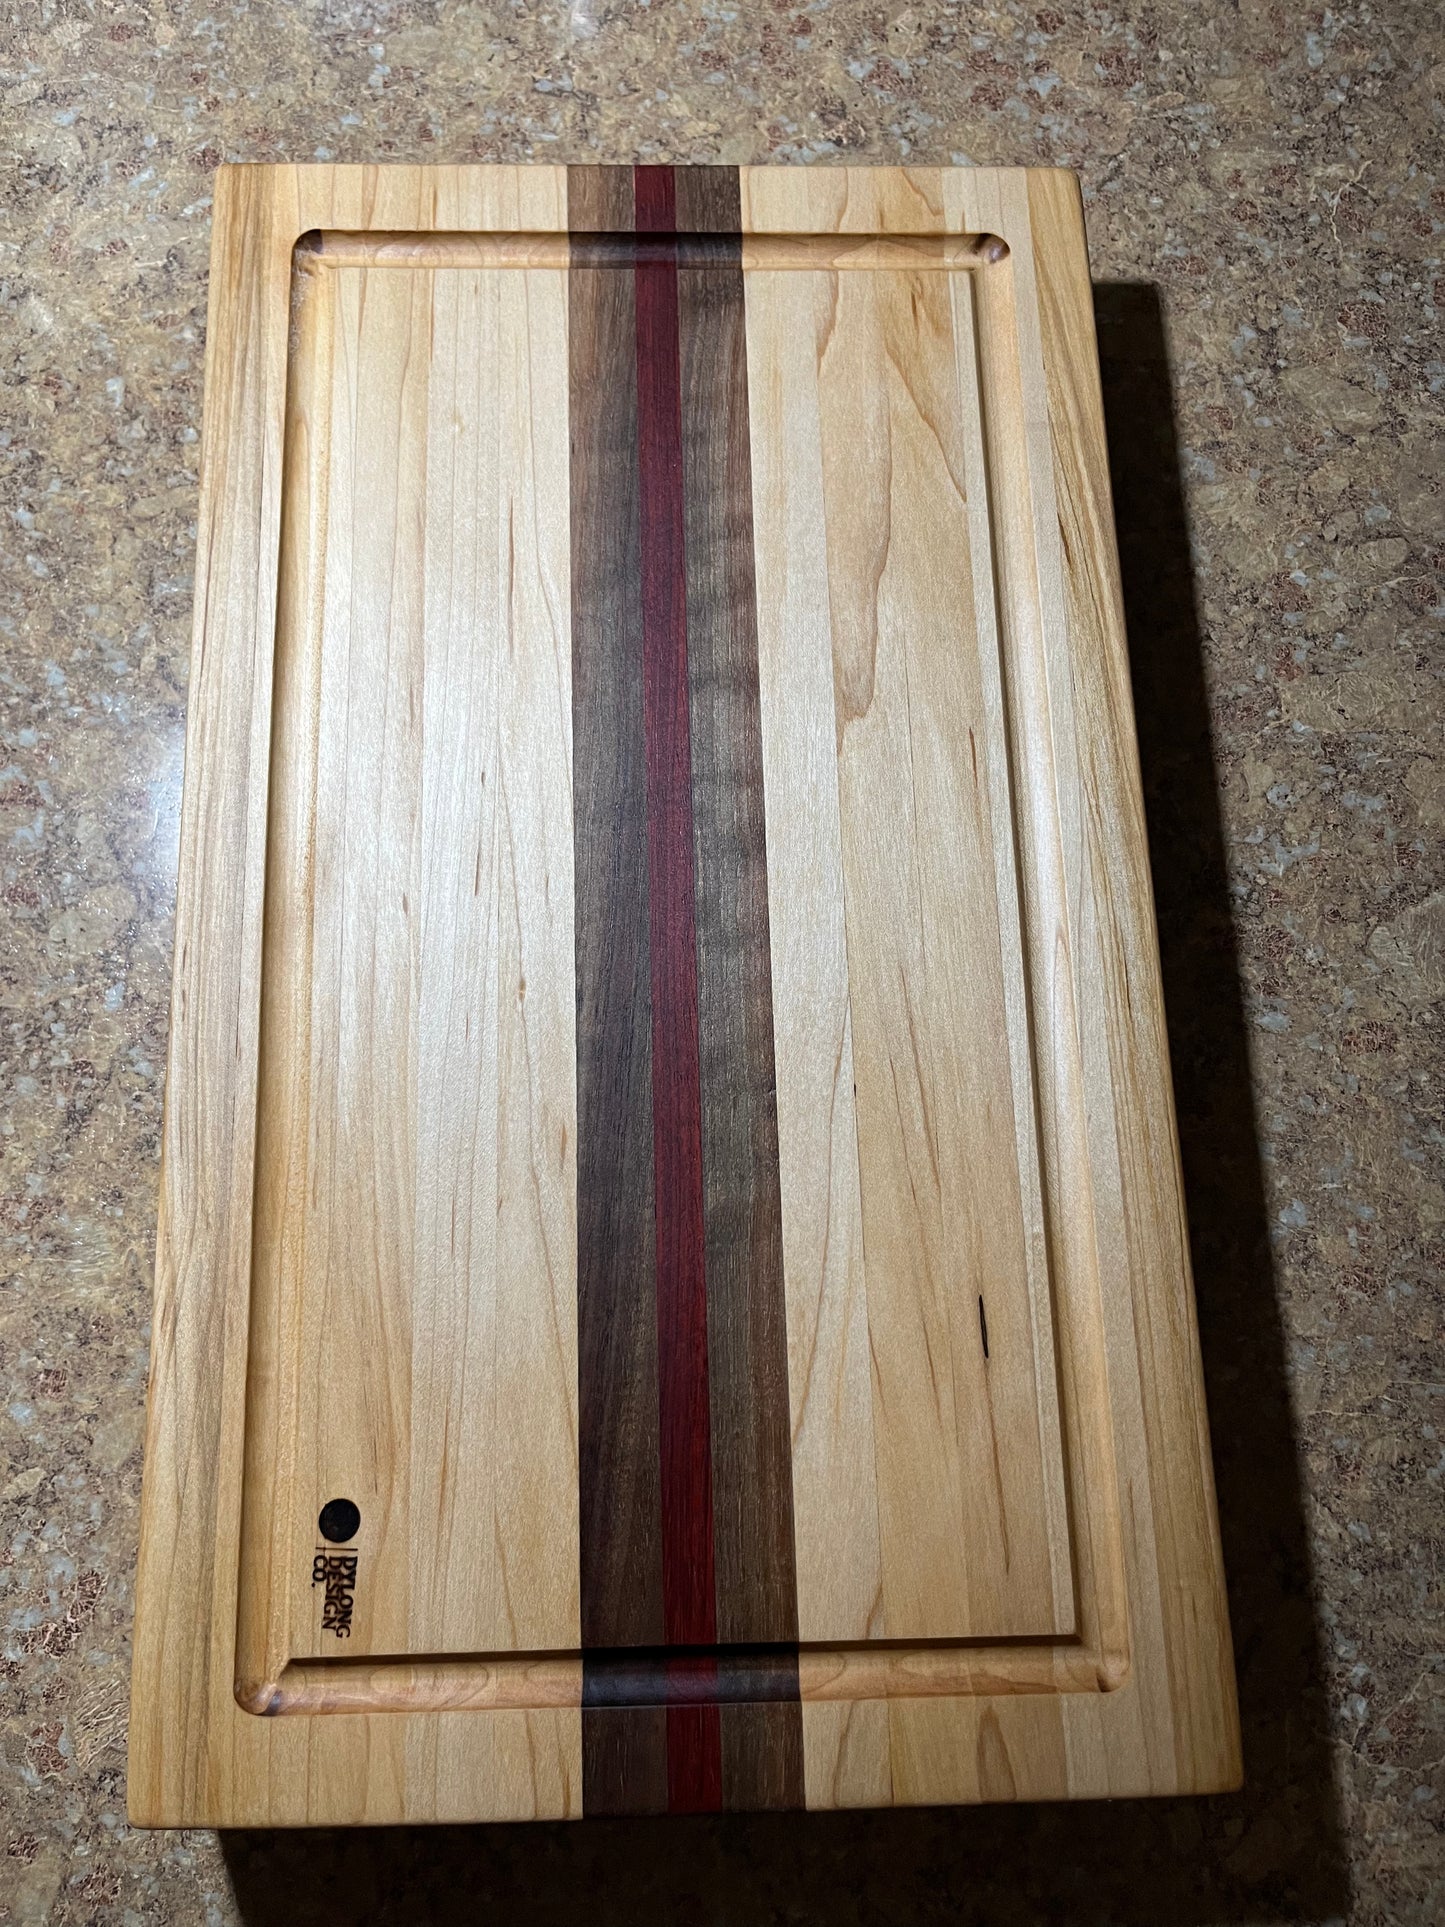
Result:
340,1520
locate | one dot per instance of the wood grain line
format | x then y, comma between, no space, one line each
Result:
689,1604
835,1505
969,1458
747,1338
621,1534
694,1748
624,1757
708,204
599,201
747,1332
354,1245
762,1752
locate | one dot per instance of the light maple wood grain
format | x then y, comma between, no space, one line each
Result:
430,879
367,1260
838,1558
966,1460
1026,353
969,1469
193,1749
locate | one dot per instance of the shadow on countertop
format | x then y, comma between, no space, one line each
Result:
1271,1853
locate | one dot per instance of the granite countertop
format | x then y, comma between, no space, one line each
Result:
1266,196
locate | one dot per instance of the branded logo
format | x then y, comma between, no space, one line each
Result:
340,1520
336,1571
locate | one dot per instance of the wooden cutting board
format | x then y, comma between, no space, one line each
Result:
672,1289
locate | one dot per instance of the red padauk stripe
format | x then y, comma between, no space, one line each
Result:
694,1745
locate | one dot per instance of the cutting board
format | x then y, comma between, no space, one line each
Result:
672,1289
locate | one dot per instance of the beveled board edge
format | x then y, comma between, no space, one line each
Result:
1170,1725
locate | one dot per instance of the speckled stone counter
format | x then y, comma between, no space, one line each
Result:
1266,194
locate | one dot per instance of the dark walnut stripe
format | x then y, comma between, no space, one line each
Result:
599,200
690,1695
742,1204
694,1761
624,1759
624,1753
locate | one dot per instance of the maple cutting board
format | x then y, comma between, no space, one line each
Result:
672,1288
